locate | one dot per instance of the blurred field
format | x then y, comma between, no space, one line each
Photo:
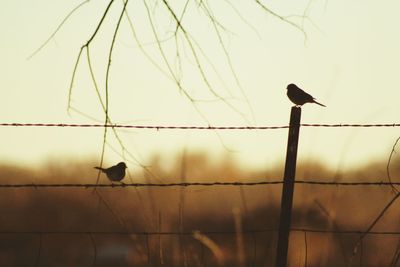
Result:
220,226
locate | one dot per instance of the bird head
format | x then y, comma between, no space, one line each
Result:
291,86
122,165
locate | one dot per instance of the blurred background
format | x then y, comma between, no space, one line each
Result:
196,225
223,64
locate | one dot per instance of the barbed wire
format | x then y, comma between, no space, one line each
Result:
177,233
189,184
209,127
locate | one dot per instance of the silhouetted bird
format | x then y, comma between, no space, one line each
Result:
115,173
299,97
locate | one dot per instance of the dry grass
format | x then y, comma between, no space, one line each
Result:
204,210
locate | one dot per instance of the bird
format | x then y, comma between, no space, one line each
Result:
115,173
299,97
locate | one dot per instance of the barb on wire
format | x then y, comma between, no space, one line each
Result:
188,184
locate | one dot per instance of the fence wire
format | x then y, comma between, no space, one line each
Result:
190,184
208,127
189,233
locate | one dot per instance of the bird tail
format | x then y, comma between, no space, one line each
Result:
99,168
318,103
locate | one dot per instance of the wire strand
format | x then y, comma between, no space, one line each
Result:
189,184
177,233
177,127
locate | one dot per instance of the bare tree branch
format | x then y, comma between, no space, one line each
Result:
217,25
266,9
86,45
57,29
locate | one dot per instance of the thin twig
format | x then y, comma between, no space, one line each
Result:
228,2
388,165
396,255
168,65
199,66
119,219
140,45
86,45
182,246
93,241
368,230
335,227
254,250
57,29
361,252
305,249
216,26
148,251
39,251
160,248
265,8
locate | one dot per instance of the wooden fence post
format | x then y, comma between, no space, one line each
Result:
288,188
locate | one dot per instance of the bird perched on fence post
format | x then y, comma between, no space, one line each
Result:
299,97
115,173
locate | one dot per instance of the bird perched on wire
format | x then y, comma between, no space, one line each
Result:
115,173
299,97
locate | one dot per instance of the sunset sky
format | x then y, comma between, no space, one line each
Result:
348,59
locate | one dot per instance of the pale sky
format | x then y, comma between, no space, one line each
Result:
349,61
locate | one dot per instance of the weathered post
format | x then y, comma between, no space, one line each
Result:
288,188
